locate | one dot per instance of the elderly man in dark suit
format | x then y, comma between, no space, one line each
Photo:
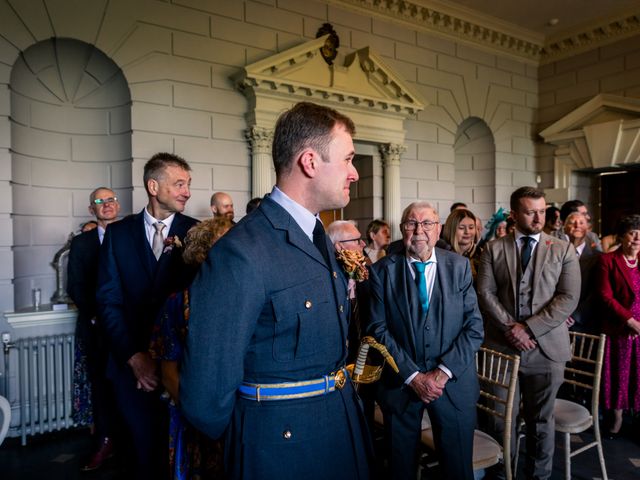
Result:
140,264
586,317
82,281
424,309
268,326
528,285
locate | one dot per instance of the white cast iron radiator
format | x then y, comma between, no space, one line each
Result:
45,383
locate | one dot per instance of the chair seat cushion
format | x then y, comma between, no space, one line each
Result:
486,451
571,417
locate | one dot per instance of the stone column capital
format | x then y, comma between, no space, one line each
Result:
391,153
260,139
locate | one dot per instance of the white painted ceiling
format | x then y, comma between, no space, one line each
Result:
534,15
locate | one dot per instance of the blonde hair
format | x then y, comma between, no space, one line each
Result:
451,226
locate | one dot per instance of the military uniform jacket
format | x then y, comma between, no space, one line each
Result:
265,308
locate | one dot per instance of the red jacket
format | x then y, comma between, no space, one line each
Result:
615,286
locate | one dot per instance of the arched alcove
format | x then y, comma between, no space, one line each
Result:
475,167
70,132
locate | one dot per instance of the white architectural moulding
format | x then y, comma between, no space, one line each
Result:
602,133
361,86
490,34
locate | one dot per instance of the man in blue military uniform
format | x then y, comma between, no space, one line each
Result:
268,324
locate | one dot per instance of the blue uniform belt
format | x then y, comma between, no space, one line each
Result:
290,390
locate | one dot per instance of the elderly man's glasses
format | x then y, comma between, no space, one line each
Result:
412,225
359,239
102,201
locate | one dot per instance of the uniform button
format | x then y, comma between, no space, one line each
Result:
428,328
335,275
308,304
341,309
287,434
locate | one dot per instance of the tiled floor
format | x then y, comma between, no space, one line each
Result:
60,455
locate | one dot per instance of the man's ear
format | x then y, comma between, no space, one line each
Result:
91,210
152,187
308,161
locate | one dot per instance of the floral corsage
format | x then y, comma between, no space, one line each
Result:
170,242
354,264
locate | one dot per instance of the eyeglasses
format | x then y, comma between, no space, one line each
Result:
101,201
412,225
359,239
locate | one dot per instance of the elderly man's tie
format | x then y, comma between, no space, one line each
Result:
421,281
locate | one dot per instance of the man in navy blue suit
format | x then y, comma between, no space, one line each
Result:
82,281
140,265
424,310
268,326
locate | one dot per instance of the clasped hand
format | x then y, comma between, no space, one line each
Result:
429,386
519,337
145,371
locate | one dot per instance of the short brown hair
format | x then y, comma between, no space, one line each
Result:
524,192
201,237
305,125
154,168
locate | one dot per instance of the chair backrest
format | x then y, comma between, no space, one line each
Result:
5,412
585,368
498,378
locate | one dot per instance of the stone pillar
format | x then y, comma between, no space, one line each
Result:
391,170
260,140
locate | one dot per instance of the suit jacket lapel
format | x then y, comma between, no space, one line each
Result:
399,275
540,257
281,220
141,245
625,272
513,261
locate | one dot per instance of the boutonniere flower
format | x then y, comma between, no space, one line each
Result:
170,242
354,264
549,242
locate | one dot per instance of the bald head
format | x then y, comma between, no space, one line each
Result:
222,205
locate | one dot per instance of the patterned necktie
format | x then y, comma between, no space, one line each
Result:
525,255
422,285
320,241
158,242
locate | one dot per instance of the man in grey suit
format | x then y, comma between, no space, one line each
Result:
424,309
528,285
264,362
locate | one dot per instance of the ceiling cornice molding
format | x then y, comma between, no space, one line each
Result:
488,33
585,39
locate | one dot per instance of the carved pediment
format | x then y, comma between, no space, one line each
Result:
360,85
604,132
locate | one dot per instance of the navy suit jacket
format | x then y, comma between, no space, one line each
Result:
133,285
454,320
266,308
82,277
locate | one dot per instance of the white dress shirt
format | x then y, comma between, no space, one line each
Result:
150,230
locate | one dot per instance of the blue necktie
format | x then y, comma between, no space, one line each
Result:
527,247
422,285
